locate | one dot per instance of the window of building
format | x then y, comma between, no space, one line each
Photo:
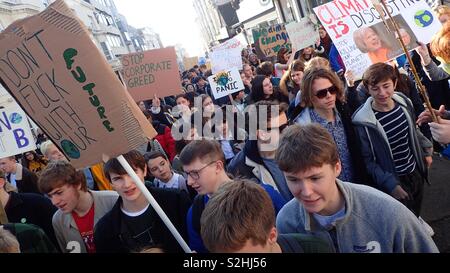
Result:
287,10
106,51
114,41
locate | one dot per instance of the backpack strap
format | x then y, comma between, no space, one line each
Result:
198,205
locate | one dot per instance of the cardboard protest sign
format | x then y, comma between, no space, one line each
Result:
268,41
302,34
226,59
56,73
237,41
361,37
151,72
225,83
190,62
15,132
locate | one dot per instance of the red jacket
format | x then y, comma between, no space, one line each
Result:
165,138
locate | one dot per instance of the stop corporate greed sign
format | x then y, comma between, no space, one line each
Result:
225,83
49,63
15,133
152,72
361,37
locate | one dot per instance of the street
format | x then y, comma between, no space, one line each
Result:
436,203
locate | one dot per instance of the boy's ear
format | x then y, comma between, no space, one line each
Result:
145,170
395,83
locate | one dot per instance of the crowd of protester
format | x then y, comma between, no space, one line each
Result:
304,159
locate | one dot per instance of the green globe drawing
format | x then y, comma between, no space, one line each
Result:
70,149
423,18
15,118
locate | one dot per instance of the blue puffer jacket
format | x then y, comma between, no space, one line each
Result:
375,147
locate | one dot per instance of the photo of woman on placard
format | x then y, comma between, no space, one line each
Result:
369,41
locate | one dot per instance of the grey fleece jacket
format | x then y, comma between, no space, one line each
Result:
375,147
374,222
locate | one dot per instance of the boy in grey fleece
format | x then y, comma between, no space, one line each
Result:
353,218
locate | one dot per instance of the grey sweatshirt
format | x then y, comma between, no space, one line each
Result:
373,222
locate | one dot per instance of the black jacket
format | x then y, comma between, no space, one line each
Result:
28,183
112,235
31,208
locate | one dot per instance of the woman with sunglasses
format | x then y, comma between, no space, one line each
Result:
323,99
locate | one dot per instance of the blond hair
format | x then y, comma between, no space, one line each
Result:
8,242
440,44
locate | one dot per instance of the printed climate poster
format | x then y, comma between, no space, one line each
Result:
268,41
361,37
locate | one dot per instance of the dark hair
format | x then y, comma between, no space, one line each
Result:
377,73
280,55
304,147
204,150
255,111
36,157
153,155
59,173
265,68
134,158
257,92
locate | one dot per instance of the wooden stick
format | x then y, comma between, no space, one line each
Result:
153,203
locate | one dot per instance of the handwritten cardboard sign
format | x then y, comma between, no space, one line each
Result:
56,73
226,59
225,83
302,34
190,62
151,72
15,132
361,37
268,41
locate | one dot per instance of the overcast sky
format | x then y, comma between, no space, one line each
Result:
174,20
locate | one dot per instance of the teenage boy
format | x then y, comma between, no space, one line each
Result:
396,154
164,177
79,209
204,163
256,161
351,217
239,218
133,224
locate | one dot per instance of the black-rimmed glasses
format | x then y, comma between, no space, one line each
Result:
195,174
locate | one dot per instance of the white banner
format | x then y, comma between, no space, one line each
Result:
361,37
15,133
302,34
225,83
237,41
226,59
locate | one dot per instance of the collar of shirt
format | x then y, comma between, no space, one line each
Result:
317,118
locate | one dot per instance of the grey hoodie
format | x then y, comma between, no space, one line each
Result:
373,222
375,147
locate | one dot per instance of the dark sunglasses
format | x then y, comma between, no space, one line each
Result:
323,92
